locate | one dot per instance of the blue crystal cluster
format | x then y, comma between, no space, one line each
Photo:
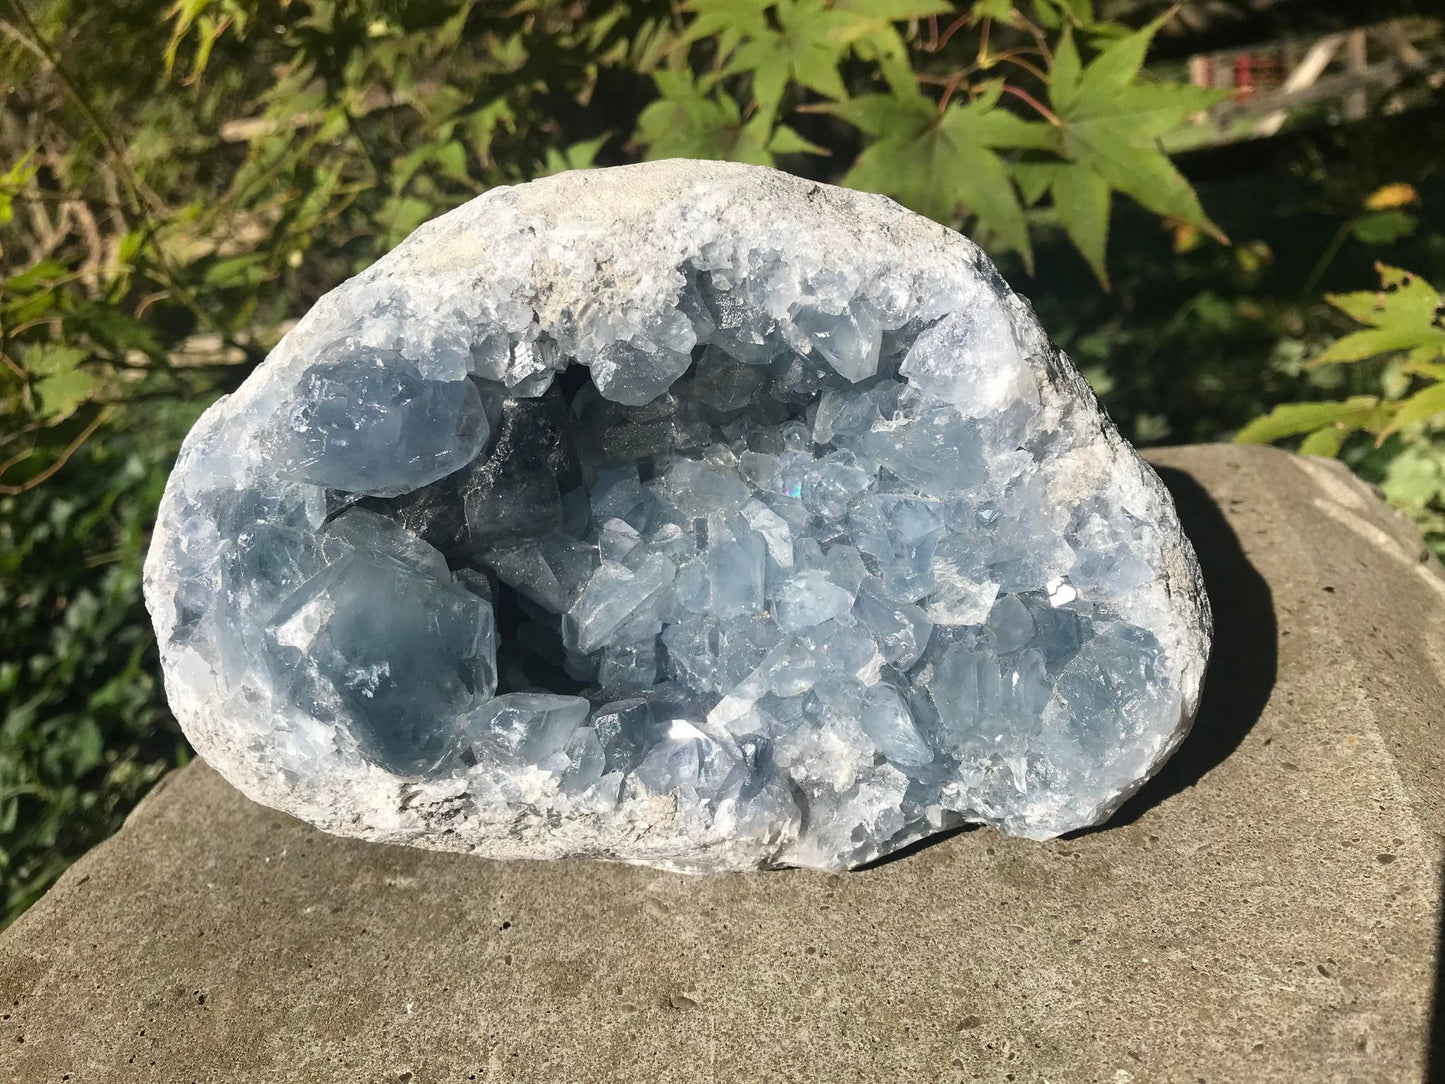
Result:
789,559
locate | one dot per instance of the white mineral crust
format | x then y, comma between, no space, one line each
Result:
683,514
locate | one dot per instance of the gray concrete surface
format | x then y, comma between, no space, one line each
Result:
1264,910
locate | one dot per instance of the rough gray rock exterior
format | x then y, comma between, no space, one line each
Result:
467,323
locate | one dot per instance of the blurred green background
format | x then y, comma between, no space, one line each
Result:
1229,212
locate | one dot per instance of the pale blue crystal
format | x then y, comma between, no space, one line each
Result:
550,571
810,598
728,580
371,423
613,595
586,761
635,374
886,719
780,557
833,483
687,758
715,655
900,628
724,383
513,493
400,670
628,668
1011,624
900,535
850,340
524,728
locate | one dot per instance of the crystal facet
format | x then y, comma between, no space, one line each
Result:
688,515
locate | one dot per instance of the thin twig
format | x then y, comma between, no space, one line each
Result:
1012,58
957,25
1327,257
139,191
948,90
18,457
38,43
1043,110
65,456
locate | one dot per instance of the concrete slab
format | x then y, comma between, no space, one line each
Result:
1264,910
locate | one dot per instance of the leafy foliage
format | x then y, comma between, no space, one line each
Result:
1109,125
953,156
83,728
1403,342
936,112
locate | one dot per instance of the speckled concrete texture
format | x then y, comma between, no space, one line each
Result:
1266,909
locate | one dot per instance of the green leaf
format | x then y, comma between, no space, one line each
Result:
399,216
1051,14
1383,227
1292,419
894,11
1116,140
1118,65
1421,364
787,141
1361,305
1080,11
114,329
451,156
60,385
131,245
943,165
1000,128
999,10
1110,125
43,361
1360,345
406,167
1402,316
1034,179
1081,200
577,156
16,177
483,124
768,85
1420,407
185,13
687,123
897,72
867,26
1065,73
1325,442
720,16
885,114
246,270
1416,477
44,271
807,48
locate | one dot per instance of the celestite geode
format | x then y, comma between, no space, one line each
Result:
686,514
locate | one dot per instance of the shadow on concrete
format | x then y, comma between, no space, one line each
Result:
917,845
1242,663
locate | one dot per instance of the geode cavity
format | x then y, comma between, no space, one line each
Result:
686,514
